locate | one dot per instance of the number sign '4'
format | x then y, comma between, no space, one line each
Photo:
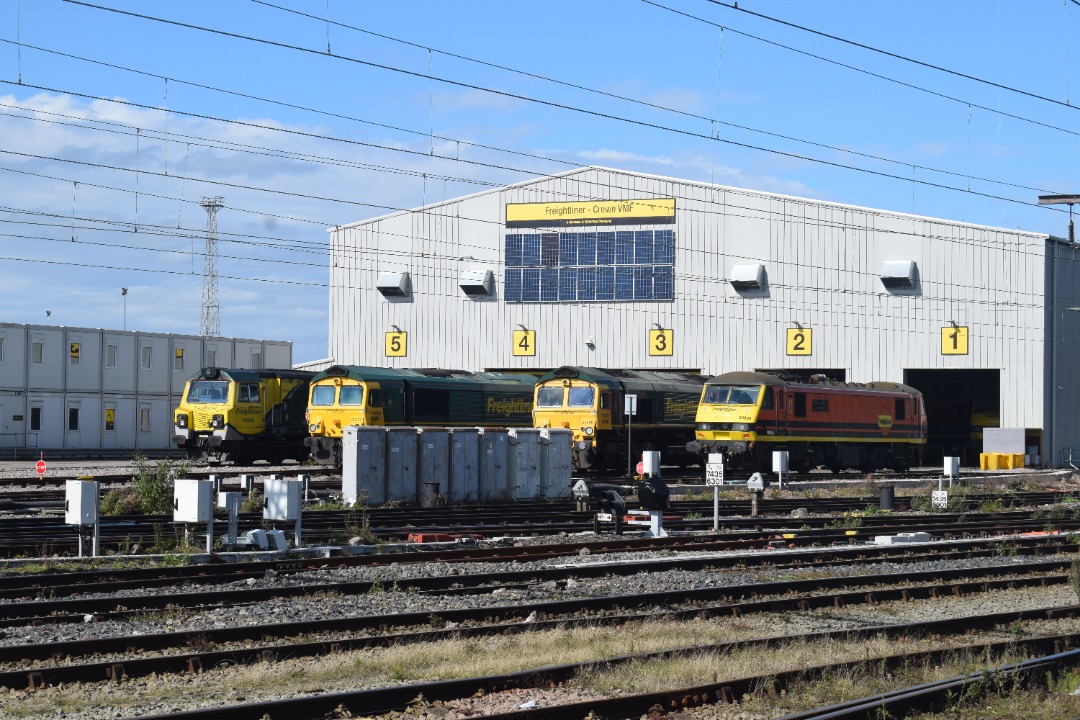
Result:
524,342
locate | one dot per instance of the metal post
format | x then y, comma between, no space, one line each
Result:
716,508
755,498
94,547
629,455
296,533
210,533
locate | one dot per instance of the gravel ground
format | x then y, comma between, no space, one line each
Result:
142,696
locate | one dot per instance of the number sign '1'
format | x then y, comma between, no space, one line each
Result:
954,340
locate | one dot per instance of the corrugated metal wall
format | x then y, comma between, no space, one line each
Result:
823,264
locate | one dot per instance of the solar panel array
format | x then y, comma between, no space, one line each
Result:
623,265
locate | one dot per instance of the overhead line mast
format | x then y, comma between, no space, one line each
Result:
211,312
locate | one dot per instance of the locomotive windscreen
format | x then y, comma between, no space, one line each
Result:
731,394
208,391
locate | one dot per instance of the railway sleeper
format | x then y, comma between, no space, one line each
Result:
115,672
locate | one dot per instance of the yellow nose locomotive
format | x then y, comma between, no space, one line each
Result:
747,415
590,402
243,415
344,395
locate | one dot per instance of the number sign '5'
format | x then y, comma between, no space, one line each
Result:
397,344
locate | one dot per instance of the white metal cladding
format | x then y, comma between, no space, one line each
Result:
823,264
106,378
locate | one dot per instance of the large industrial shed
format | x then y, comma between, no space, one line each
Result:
608,268
89,388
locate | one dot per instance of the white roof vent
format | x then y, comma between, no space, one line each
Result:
393,284
899,274
747,277
477,282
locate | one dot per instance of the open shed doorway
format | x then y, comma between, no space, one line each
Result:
959,404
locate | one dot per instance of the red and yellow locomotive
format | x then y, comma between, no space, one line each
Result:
747,415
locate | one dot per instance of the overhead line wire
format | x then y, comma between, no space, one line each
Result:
549,103
887,53
869,73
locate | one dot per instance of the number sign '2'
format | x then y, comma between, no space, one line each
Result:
800,341
524,342
661,342
954,340
397,344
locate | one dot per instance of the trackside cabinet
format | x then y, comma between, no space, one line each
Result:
363,465
81,502
282,499
193,500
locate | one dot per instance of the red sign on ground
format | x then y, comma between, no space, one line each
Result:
40,467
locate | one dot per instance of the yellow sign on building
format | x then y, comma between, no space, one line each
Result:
397,344
640,211
524,342
661,342
800,341
954,340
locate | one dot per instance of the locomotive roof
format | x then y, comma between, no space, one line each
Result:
630,379
759,378
432,377
250,375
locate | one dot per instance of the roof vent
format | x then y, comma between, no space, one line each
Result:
393,284
899,274
477,282
747,277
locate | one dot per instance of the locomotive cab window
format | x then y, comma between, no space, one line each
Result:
731,394
208,391
352,395
249,392
322,395
549,397
899,412
605,400
767,401
582,397
800,404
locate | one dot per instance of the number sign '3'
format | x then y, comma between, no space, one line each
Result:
661,342
800,341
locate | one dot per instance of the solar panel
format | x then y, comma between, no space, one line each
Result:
623,265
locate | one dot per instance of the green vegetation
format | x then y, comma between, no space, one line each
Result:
151,489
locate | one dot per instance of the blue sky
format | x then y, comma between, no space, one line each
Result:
113,127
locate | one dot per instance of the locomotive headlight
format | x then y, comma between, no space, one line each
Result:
218,421
704,426
313,427
742,427
588,431
181,420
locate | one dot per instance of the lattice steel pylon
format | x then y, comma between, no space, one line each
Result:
211,313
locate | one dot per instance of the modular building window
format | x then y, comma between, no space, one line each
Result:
145,355
37,352
73,418
178,361
144,419
110,355
618,265
1,348
35,419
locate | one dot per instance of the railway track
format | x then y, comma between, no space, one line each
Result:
126,657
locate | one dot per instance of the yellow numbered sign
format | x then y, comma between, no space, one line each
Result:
524,342
397,344
954,340
800,341
661,342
